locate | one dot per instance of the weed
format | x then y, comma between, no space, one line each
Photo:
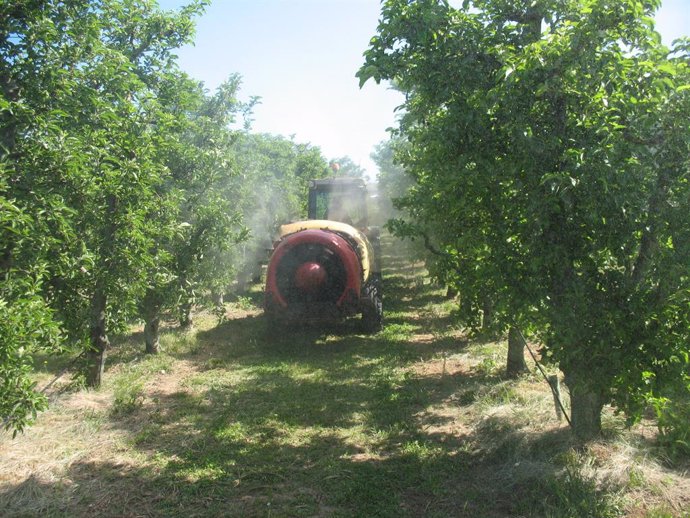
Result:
128,396
175,341
662,512
214,363
149,432
498,395
488,366
574,495
245,303
77,382
220,312
128,386
420,450
93,421
673,417
636,478
397,332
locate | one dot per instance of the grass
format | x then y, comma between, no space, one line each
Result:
235,419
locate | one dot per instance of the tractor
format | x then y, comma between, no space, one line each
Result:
327,268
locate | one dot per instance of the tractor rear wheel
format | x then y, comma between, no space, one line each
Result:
372,306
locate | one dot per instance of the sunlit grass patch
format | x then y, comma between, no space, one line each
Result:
127,383
397,332
416,420
577,493
421,450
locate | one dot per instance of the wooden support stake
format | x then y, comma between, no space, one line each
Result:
555,384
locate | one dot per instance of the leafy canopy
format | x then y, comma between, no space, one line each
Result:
549,146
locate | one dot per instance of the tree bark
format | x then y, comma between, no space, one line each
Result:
487,314
516,354
586,405
218,298
186,321
152,335
95,357
150,311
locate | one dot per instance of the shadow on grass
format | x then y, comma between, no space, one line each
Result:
243,451
297,447
124,349
313,422
347,444
311,429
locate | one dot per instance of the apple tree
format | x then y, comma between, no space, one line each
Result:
549,143
80,124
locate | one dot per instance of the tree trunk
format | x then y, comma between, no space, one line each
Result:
150,310
218,298
151,335
586,405
487,314
186,321
516,354
186,302
95,357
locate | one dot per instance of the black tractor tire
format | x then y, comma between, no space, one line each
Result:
372,307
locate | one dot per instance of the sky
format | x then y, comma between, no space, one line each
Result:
301,56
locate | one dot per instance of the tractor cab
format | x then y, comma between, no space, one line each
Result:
339,199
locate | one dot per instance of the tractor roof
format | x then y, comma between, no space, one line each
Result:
338,183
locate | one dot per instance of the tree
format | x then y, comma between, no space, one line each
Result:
345,166
393,181
203,224
81,119
27,324
271,190
35,234
549,145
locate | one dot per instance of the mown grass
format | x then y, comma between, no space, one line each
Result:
238,419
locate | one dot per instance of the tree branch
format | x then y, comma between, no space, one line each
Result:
431,248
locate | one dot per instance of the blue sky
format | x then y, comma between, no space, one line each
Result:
301,56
